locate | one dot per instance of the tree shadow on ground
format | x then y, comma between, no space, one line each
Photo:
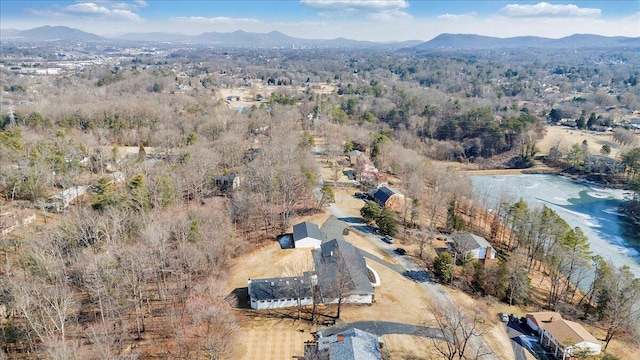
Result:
239,298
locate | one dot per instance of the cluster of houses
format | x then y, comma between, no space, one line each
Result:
366,171
340,275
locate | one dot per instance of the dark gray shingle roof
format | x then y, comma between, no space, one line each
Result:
383,194
306,229
468,241
338,262
280,288
355,345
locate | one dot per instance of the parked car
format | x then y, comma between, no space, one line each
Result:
400,251
387,239
504,317
359,195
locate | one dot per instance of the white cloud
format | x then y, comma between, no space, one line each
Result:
544,9
457,17
98,10
95,10
375,9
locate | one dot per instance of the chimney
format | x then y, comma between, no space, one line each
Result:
340,337
488,254
553,318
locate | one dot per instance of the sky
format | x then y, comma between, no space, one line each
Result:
373,20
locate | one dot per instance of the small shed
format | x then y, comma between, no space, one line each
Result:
307,235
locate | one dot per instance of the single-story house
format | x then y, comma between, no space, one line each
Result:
536,320
351,344
475,246
342,274
226,182
280,292
63,199
355,156
388,197
565,338
307,235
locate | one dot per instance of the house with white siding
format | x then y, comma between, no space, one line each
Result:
341,275
307,235
474,246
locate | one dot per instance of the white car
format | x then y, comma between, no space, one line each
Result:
387,239
505,317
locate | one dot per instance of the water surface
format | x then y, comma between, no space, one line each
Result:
594,209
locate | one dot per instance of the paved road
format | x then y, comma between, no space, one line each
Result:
515,332
386,327
523,339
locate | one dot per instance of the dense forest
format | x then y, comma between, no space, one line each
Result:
151,145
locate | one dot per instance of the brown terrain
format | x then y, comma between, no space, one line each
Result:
397,299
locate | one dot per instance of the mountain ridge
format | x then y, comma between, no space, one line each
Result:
277,39
477,42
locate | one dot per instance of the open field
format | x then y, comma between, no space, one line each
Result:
276,335
567,136
248,94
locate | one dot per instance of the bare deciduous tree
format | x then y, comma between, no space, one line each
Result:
462,333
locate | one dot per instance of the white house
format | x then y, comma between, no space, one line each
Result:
307,235
475,246
65,198
342,274
280,292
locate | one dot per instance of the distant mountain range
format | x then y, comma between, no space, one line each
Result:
477,42
49,33
277,39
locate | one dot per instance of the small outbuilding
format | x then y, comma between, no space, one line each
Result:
307,235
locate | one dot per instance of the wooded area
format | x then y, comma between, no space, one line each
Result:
141,259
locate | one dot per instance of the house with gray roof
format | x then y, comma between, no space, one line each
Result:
475,246
342,274
352,344
388,197
65,198
355,156
307,235
281,292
